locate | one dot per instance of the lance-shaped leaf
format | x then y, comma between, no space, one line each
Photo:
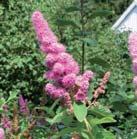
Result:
80,111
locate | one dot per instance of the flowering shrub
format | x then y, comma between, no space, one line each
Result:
133,54
67,85
63,70
2,134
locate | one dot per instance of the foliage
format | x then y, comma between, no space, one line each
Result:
21,63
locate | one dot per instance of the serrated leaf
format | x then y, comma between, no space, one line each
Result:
2,101
85,135
99,61
89,42
57,119
120,106
72,9
133,107
24,125
13,95
97,121
100,112
108,135
80,111
101,13
66,131
67,119
101,133
64,22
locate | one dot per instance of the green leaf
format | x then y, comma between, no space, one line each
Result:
23,125
72,9
67,131
97,121
133,107
100,111
1,9
67,119
101,13
57,119
89,42
120,106
85,135
63,22
80,111
99,61
13,95
101,133
2,101
108,135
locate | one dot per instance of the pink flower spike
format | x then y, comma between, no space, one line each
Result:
84,86
64,58
44,33
135,80
58,93
2,133
49,88
50,60
69,80
5,108
133,45
58,69
71,67
53,48
23,105
80,96
88,75
6,123
79,79
134,65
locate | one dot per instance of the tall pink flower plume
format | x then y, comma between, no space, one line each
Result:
69,80
2,133
82,82
6,123
62,70
88,75
52,48
44,33
51,59
135,80
80,96
23,105
132,44
133,54
101,87
54,92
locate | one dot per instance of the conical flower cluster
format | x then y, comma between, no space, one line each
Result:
2,134
133,54
63,70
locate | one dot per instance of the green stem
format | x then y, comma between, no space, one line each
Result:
83,57
89,128
82,30
54,105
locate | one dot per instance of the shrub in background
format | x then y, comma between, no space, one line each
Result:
20,62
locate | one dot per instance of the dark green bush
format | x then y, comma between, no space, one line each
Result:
21,63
